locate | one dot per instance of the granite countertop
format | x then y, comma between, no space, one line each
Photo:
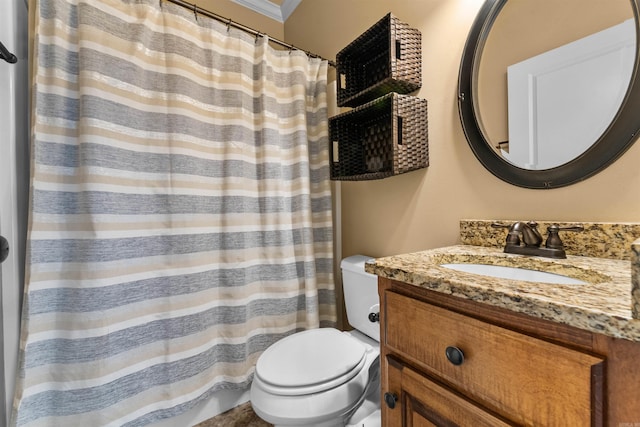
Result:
602,305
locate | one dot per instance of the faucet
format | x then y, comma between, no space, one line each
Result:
527,231
524,238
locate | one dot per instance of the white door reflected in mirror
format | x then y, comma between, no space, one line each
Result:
560,102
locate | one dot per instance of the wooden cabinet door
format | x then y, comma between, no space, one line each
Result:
424,403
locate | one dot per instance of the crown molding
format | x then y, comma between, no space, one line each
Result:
287,8
271,10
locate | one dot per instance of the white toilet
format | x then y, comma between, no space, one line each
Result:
325,377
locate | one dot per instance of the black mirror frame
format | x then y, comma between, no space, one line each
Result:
616,139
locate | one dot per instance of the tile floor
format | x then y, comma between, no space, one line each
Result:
241,416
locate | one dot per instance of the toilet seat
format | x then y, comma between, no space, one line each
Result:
310,362
293,406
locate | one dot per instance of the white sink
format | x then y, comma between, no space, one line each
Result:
514,273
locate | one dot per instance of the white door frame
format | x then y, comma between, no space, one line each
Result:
14,176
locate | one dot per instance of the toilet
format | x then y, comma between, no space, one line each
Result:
325,377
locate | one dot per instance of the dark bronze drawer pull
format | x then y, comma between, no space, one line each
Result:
454,355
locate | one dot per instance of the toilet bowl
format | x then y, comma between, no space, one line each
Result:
325,377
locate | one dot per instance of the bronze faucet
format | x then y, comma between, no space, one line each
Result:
524,238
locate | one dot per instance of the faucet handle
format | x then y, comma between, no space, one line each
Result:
553,239
570,228
500,225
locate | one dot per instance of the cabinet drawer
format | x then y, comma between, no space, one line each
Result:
527,380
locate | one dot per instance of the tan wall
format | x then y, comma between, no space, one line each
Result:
421,209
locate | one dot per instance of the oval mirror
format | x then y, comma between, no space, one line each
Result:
548,92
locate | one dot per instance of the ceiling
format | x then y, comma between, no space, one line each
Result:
278,10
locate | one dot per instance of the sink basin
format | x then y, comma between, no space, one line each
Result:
514,273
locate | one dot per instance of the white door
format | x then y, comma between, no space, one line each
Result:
14,176
562,101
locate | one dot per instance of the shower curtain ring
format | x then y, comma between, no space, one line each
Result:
228,24
258,34
195,11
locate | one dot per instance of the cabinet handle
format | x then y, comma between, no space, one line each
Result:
390,399
374,317
454,355
6,55
4,248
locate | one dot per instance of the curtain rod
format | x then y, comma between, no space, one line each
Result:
197,10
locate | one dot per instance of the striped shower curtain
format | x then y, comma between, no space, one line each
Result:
180,211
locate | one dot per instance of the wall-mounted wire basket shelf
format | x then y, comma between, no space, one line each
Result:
382,138
385,58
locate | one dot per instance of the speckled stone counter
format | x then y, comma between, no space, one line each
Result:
599,239
635,278
603,305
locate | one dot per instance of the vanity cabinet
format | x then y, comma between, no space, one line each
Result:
450,361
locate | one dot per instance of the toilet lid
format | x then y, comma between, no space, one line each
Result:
310,357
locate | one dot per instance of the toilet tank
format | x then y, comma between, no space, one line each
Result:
360,295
